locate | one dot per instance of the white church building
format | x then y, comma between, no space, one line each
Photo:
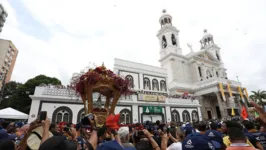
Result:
185,88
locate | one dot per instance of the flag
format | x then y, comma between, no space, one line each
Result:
229,90
244,113
240,93
233,112
222,91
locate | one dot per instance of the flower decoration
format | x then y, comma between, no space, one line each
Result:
101,74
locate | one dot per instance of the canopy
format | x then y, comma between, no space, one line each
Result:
10,113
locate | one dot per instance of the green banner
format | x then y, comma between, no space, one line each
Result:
152,109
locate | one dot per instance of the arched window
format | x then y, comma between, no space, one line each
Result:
155,85
199,68
165,20
169,20
164,42
208,72
81,114
175,116
130,80
186,116
147,85
162,22
195,116
217,55
62,114
163,85
217,74
125,116
173,39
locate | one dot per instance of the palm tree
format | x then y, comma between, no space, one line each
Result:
258,96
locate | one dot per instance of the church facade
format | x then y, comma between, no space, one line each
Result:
185,88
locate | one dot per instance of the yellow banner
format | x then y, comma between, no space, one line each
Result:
152,98
240,92
229,90
246,92
222,90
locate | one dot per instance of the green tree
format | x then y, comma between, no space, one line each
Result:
258,96
17,94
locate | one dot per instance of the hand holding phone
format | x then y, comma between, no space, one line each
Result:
43,115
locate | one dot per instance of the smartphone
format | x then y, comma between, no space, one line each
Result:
168,130
43,115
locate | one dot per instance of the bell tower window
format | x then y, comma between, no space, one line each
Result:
217,55
200,71
164,42
173,39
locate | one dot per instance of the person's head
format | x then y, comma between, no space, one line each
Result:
5,124
202,126
58,143
180,135
262,129
213,126
123,132
158,122
230,124
236,135
248,124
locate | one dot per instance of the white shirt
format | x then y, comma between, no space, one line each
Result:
175,146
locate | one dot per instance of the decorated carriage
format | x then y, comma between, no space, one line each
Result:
106,83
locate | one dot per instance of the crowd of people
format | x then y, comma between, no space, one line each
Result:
241,134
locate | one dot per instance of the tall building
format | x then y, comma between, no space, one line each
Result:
8,56
185,88
3,16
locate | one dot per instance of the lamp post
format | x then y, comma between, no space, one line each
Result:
3,86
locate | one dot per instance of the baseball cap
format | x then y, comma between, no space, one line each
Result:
188,130
197,141
215,137
58,143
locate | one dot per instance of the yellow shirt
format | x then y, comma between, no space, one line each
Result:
227,142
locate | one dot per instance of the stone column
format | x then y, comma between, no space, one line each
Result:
221,105
203,109
200,114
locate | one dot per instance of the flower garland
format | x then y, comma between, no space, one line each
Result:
101,74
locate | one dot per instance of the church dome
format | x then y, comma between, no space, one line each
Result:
206,34
165,19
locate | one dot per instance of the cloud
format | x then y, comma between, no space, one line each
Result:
85,31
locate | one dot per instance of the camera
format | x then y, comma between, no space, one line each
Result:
85,121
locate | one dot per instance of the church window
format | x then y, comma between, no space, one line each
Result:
165,20
199,68
205,41
163,85
217,55
62,116
164,42
169,20
130,80
162,22
155,85
209,39
195,116
185,115
147,85
125,116
175,116
217,74
208,72
173,39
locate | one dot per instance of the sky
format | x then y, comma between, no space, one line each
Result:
60,37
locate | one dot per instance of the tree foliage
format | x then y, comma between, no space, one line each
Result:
16,95
258,96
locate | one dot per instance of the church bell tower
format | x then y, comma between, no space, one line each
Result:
168,36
